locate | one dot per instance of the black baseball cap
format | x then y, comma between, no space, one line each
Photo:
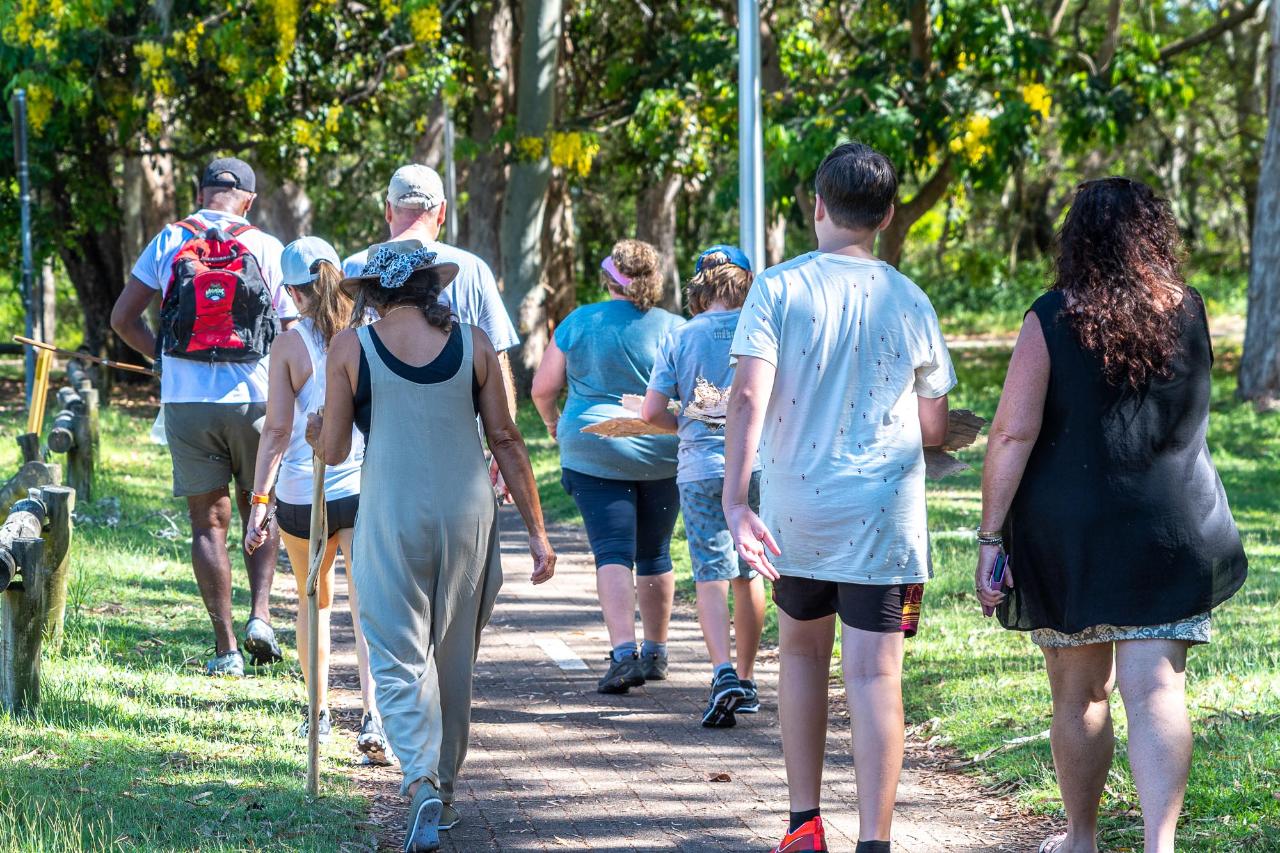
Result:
230,173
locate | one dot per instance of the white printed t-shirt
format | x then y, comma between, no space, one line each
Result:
854,343
183,380
473,294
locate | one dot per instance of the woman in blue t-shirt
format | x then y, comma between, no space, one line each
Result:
625,488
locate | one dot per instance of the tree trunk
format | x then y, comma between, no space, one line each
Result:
282,209
1260,363
429,147
526,200
491,38
656,224
775,240
906,214
557,294
149,198
47,311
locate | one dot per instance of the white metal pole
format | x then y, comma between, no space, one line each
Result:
450,179
750,135
24,203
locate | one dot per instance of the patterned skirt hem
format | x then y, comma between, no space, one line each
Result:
1193,629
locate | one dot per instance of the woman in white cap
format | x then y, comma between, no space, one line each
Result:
311,272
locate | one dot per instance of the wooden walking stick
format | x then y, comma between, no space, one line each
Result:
315,551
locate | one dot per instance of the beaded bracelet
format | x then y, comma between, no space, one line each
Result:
989,537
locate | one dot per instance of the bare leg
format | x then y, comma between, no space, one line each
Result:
1081,680
802,704
748,622
297,550
873,684
345,538
261,565
655,593
713,617
1152,678
617,591
210,517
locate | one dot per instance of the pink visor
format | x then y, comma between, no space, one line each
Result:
611,268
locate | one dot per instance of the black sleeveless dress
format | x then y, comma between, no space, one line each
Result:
1120,518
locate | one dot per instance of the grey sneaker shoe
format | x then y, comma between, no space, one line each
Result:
260,643
324,726
230,664
372,741
622,675
449,817
750,704
423,831
726,694
654,667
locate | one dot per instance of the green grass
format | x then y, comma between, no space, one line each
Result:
131,747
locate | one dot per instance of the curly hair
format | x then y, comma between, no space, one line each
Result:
421,291
719,281
1118,265
640,262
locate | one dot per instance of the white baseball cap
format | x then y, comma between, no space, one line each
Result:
300,257
415,185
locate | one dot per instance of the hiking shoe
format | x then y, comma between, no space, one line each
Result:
449,817
726,694
372,741
654,667
750,703
808,837
229,664
622,675
260,643
423,832
324,726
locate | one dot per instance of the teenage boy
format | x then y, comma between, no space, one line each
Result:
700,350
842,377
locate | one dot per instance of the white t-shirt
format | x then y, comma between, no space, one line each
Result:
473,295
854,342
186,381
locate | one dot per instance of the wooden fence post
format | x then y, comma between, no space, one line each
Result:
60,503
22,606
74,433
32,475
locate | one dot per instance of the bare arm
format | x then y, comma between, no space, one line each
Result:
508,448
933,420
341,375
509,381
748,400
277,430
655,412
127,317
548,382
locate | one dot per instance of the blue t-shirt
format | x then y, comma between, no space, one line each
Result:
699,348
609,349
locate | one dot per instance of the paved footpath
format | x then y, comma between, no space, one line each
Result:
556,766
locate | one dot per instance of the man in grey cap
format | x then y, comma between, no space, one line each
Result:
415,210
213,411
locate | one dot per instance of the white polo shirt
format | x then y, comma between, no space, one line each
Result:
186,381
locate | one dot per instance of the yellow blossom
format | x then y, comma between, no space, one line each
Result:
1038,98
151,54
529,148
284,15
304,134
972,140
962,61
574,151
229,62
39,107
255,94
155,126
332,115
426,24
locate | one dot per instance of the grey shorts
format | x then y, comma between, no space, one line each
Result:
211,444
710,544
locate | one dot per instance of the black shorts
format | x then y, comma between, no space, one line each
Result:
295,519
881,609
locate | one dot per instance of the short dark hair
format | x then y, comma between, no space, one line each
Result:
858,185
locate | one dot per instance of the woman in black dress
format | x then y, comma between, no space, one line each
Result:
1098,481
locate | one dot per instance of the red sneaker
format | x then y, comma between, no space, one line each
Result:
809,837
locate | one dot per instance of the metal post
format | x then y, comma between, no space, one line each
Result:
24,201
750,135
450,180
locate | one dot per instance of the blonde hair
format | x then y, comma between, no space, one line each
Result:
326,305
719,281
640,262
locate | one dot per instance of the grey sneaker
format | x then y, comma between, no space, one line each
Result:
260,643
751,702
726,694
622,675
324,726
449,817
423,831
229,664
654,667
372,741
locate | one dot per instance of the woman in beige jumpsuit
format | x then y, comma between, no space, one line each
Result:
426,539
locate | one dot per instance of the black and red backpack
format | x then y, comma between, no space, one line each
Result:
218,306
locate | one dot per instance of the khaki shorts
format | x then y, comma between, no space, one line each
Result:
212,443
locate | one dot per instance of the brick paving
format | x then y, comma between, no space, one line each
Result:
555,766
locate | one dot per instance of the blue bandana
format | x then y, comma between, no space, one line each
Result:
394,268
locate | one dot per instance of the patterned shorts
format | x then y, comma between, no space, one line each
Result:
710,545
1193,629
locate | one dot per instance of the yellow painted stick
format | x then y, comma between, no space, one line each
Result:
316,550
35,414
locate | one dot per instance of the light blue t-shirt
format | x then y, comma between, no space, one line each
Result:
609,350
699,348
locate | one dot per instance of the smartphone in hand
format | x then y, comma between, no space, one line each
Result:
997,578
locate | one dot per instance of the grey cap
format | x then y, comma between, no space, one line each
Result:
297,263
229,173
415,186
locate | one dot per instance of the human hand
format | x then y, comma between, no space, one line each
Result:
498,482
753,540
544,557
257,529
989,597
315,423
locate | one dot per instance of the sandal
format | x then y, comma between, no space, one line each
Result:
1053,843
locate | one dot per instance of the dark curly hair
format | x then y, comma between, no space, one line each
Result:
421,291
1118,265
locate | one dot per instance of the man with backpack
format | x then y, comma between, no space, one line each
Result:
222,304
